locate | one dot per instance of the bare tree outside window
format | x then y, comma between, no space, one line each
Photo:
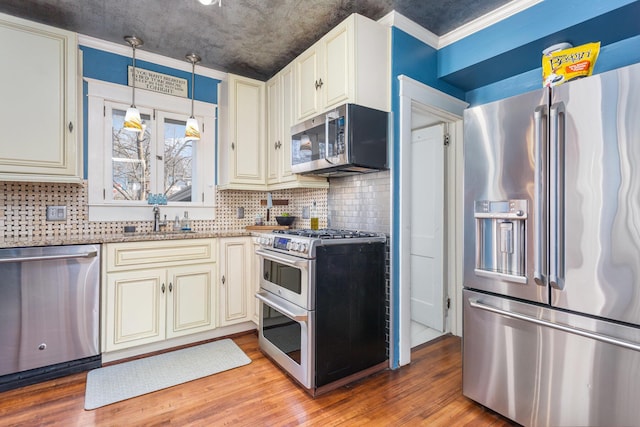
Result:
131,153
178,162
134,157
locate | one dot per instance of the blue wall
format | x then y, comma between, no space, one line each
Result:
505,60
110,67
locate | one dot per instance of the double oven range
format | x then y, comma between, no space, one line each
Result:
323,305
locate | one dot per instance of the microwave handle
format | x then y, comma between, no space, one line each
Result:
326,136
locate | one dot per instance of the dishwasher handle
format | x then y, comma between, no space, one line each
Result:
90,254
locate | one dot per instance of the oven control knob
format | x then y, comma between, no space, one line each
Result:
295,246
303,248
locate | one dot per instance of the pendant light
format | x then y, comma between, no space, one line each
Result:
132,120
192,131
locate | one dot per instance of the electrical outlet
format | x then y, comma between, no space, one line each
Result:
56,213
240,213
306,212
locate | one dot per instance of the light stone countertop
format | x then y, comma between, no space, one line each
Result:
119,238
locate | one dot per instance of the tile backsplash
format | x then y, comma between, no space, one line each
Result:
23,211
361,202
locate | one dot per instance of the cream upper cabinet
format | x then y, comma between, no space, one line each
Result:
242,163
280,111
274,128
308,81
153,291
38,114
235,277
349,64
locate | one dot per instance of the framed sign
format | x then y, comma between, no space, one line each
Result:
158,82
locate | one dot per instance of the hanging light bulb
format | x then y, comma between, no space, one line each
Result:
192,131
132,120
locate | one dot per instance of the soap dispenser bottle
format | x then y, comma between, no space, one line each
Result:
185,225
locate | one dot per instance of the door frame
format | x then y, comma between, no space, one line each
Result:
448,109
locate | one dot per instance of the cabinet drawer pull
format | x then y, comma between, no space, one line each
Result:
319,84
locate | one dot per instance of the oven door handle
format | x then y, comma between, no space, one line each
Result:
288,309
284,259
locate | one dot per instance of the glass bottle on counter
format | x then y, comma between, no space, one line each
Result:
314,216
185,224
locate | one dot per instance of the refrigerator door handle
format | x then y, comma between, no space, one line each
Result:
475,303
556,196
540,200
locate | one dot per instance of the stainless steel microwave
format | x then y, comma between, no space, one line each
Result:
349,139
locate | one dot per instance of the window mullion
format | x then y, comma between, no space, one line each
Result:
158,153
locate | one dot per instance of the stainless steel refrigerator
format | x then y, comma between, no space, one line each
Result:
552,253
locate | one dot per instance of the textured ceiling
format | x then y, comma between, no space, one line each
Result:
253,38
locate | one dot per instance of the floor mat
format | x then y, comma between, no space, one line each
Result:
130,379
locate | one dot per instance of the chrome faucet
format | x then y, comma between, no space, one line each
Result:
156,219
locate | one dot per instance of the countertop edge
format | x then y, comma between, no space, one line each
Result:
119,238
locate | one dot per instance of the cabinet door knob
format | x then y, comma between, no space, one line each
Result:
233,146
319,84
70,127
170,287
275,145
223,280
162,288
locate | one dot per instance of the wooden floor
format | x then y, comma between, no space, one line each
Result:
427,392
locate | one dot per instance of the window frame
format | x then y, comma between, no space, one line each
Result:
100,95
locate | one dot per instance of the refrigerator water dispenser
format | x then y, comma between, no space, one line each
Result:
500,239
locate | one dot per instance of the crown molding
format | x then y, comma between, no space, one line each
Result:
485,21
395,19
405,24
125,50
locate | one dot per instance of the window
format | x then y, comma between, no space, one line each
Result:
126,167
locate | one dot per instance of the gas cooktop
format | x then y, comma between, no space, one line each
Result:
328,233
303,242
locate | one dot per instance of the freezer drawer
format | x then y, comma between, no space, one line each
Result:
540,366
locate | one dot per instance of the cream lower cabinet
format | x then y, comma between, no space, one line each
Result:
236,292
255,279
153,291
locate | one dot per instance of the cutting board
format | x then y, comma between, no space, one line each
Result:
266,227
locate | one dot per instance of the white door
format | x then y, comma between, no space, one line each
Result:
427,224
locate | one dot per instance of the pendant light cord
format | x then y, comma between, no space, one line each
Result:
133,98
193,85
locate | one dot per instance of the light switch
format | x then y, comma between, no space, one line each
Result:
56,213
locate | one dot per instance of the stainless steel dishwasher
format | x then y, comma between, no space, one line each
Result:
49,312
